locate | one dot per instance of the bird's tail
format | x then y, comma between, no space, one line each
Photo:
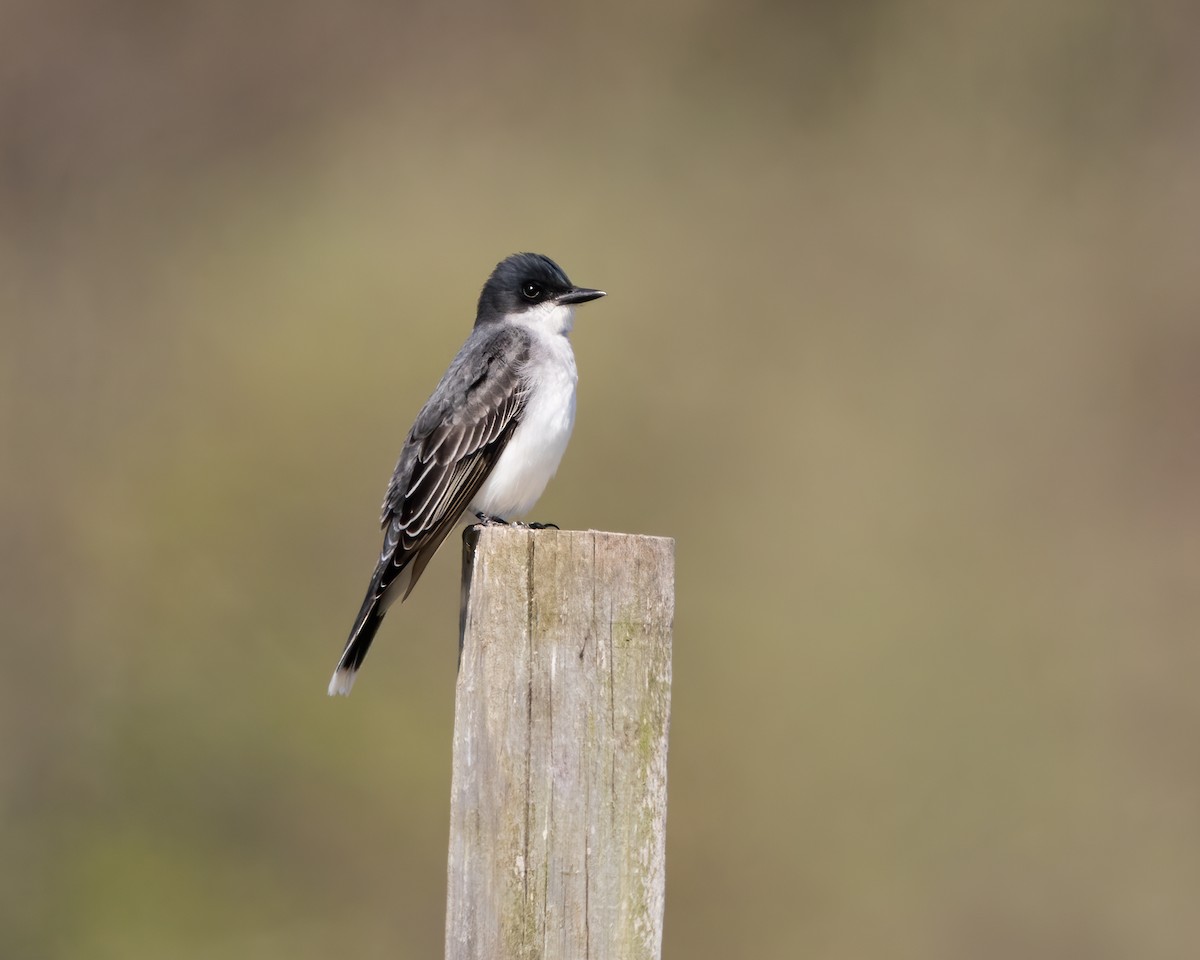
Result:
366,624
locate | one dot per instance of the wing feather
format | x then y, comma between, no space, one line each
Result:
453,446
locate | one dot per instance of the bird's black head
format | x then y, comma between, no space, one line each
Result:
529,283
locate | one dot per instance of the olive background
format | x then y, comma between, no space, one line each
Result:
901,344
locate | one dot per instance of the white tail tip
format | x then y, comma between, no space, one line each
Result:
342,681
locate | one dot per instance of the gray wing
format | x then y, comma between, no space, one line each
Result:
456,440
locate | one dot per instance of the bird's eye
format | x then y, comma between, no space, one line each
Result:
531,291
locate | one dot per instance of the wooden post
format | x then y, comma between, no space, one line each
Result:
559,796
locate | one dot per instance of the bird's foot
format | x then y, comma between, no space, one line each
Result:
487,520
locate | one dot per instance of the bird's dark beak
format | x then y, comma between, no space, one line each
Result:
580,295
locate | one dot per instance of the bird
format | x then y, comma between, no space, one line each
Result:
488,439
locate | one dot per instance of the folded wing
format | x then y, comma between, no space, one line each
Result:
453,446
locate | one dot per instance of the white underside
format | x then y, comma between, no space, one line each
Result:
537,445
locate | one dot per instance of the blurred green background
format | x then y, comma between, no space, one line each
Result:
902,345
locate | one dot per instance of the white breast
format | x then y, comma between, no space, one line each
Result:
539,441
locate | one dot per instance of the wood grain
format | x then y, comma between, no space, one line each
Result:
559,793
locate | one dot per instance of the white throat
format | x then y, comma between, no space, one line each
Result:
546,318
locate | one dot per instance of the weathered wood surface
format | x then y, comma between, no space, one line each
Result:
559,796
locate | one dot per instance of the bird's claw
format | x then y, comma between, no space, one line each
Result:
487,520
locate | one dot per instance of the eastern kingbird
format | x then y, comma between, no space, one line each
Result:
489,439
